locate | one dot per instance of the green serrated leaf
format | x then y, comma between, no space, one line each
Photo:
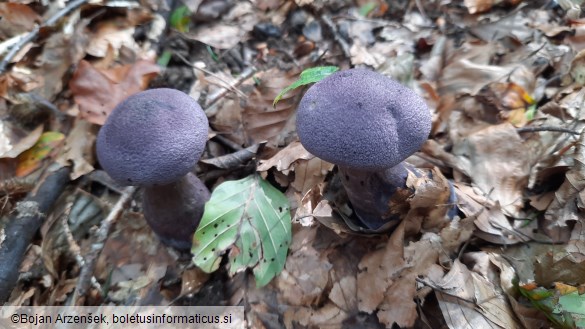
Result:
308,76
250,216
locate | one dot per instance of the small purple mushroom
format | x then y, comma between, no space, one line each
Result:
153,139
367,124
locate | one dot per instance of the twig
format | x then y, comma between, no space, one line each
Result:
234,160
35,32
97,246
218,94
23,225
344,46
227,84
546,128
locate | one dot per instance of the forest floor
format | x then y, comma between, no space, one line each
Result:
504,82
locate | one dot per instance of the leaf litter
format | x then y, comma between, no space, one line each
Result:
504,80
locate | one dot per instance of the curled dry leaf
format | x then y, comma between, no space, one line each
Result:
16,18
498,166
97,92
305,277
14,141
261,120
78,149
469,300
569,201
309,171
232,29
481,6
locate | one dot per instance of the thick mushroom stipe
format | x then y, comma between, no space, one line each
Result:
180,203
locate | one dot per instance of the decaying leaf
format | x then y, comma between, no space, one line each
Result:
97,92
78,148
261,120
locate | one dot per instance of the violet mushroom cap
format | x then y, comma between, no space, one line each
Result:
367,124
154,139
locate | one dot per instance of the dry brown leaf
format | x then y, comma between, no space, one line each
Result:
232,29
569,202
264,122
327,317
78,149
309,171
493,226
494,158
306,272
480,6
16,19
193,280
378,270
14,141
111,34
469,300
98,92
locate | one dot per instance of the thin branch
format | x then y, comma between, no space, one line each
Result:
23,225
35,32
344,46
97,246
219,94
546,128
227,84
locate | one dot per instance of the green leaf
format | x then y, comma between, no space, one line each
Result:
180,19
251,217
308,76
367,8
574,304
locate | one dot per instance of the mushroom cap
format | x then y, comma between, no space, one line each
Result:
153,137
362,119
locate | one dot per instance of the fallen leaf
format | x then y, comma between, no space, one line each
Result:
98,92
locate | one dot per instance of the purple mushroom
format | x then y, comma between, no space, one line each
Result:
367,124
153,139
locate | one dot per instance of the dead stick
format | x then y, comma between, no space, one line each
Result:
23,224
35,32
97,246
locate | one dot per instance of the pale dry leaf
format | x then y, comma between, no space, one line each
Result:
569,201
78,149
469,300
231,30
344,294
283,160
491,223
378,270
262,121
306,272
16,140
327,317
111,34
309,173
97,92
494,158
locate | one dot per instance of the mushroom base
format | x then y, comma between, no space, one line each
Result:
371,193
174,211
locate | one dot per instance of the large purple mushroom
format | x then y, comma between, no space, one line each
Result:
154,139
367,124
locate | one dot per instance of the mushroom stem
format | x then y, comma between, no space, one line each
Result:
371,192
174,210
